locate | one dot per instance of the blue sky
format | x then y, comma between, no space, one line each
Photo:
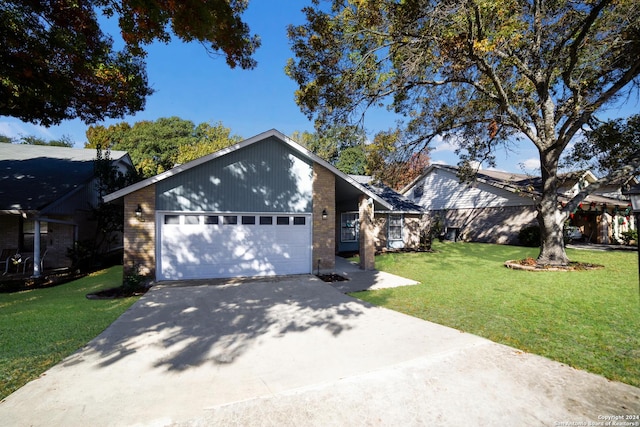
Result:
194,86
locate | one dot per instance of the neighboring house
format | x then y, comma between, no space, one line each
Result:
604,214
265,206
46,194
497,205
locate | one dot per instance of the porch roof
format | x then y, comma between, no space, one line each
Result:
33,177
398,203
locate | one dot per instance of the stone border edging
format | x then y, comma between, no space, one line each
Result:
576,266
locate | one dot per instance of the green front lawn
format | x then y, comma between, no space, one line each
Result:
40,327
587,319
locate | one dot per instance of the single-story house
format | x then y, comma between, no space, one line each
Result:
396,228
265,206
46,194
496,205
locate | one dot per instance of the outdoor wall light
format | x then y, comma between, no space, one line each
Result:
139,212
324,214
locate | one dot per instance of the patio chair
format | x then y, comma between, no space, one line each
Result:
42,255
5,258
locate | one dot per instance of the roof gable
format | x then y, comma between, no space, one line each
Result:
340,176
265,177
440,188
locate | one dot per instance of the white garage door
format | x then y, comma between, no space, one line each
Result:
197,246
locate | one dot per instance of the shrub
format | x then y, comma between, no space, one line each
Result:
81,255
630,235
428,233
530,236
134,282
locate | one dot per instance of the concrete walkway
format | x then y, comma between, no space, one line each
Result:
297,352
359,280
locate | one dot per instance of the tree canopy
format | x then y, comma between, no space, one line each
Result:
486,74
347,149
343,147
64,141
159,145
391,165
57,64
607,147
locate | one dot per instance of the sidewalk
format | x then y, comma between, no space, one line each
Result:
601,247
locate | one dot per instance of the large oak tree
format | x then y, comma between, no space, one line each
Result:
57,64
483,72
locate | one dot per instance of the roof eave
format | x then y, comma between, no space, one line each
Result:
22,212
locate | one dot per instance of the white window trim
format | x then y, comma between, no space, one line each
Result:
401,227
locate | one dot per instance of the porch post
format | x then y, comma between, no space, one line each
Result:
36,248
367,245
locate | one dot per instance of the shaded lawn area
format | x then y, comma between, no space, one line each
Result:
40,327
586,319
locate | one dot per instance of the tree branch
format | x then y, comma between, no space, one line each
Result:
572,126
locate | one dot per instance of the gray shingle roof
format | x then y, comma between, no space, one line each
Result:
399,202
34,176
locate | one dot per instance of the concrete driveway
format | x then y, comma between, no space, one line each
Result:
298,352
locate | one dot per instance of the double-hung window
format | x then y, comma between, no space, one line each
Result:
395,227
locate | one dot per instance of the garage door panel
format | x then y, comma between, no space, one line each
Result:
189,251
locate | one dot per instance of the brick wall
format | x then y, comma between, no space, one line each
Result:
324,230
59,238
9,224
140,233
380,233
413,224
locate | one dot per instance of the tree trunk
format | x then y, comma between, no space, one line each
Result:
550,216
